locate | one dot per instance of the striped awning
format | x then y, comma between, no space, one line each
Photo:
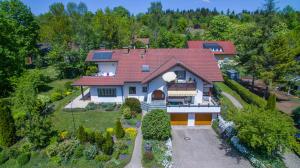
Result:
178,93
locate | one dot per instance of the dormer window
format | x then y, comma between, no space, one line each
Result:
213,47
145,68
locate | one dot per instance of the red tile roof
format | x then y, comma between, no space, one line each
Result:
199,61
228,46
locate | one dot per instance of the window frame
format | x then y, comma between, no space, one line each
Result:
107,92
145,89
180,71
129,90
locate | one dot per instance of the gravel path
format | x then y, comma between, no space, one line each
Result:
235,102
136,159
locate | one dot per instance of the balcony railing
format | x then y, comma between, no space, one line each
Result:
181,86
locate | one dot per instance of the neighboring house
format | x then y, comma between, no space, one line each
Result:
223,50
141,73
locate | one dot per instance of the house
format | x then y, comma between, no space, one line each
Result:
222,50
179,81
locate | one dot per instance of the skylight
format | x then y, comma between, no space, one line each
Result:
145,68
102,55
213,46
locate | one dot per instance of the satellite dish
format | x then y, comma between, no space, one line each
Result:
169,76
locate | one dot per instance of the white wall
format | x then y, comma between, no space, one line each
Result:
96,99
107,67
156,84
139,91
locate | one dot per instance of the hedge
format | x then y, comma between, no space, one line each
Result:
248,96
23,158
134,104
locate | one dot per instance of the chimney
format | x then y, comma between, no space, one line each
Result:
127,50
143,53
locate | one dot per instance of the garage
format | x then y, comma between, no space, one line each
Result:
179,119
203,119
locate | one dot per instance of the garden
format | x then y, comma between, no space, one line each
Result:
157,144
102,135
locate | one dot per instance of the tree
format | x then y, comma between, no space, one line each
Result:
19,35
7,126
219,28
271,103
99,139
265,131
108,145
119,129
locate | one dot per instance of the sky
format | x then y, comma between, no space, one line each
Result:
137,6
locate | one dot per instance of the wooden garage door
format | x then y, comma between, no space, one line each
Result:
179,119
203,119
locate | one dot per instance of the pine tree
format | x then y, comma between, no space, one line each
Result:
7,126
81,134
119,129
271,104
99,139
108,146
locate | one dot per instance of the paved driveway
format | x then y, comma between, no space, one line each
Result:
203,150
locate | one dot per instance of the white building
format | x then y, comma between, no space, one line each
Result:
140,73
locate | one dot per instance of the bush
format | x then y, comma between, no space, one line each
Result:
296,116
99,139
64,135
3,157
90,152
248,96
125,110
78,153
111,131
131,132
102,158
68,86
90,136
23,158
107,146
134,104
7,126
119,130
271,103
156,125
148,156
55,96
82,135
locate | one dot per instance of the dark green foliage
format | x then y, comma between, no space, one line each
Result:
3,157
265,131
79,151
90,152
82,134
7,126
23,158
91,136
126,112
102,158
119,130
296,116
99,139
156,125
271,103
134,104
107,146
68,86
248,96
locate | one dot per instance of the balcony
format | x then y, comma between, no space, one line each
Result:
181,86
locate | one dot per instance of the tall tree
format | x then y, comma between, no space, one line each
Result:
7,126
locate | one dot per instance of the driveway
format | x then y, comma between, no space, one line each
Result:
202,148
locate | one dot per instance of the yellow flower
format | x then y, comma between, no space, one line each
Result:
110,130
131,132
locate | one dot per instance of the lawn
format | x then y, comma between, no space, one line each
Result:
228,90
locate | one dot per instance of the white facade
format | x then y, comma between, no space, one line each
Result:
96,99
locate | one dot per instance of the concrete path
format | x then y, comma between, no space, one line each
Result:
234,101
200,147
78,102
291,160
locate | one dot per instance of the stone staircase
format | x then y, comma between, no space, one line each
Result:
148,107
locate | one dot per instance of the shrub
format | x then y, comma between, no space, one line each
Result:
99,139
131,132
90,136
24,158
68,86
156,125
66,149
3,157
111,131
296,116
107,146
91,106
248,96
90,152
126,112
134,104
82,135
7,126
64,135
148,156
78,153
119,130
271,103
102,158
55,96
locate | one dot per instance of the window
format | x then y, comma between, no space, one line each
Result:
145,89
180,75
145,68
132,90
107,92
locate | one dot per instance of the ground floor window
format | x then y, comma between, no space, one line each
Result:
145,89
132,90
107,92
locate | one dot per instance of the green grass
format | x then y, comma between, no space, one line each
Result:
228,90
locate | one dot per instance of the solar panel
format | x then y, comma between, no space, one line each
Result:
145,68
102,55
211,45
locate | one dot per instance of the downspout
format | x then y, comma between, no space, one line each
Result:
122,94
